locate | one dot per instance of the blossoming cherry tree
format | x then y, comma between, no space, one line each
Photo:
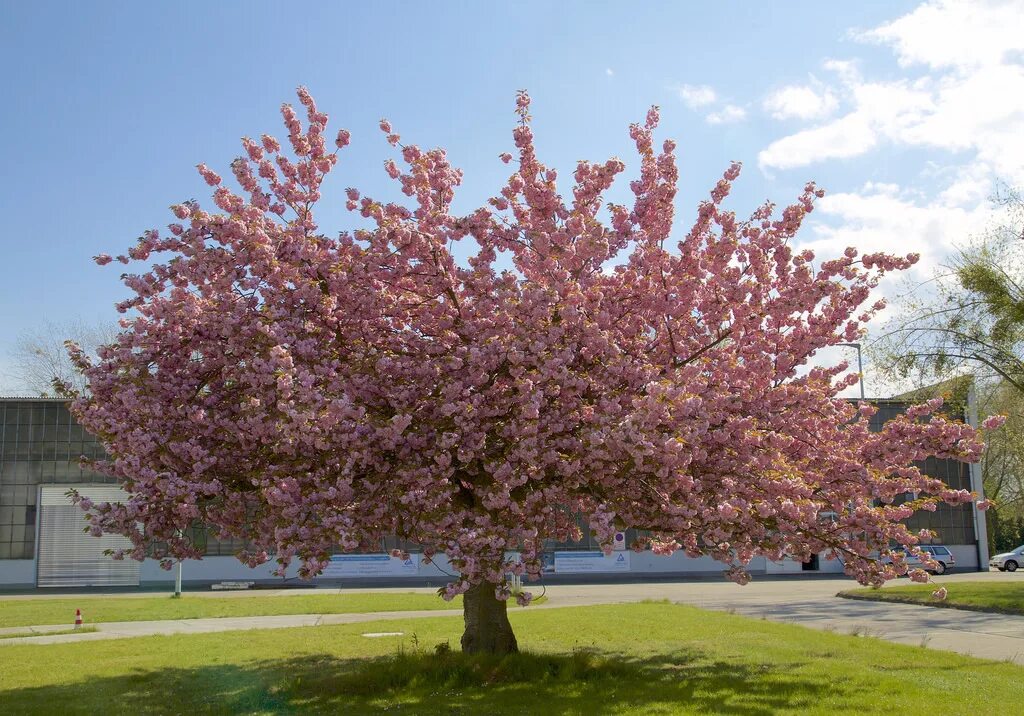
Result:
311,393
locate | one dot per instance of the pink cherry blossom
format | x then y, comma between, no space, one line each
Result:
993,421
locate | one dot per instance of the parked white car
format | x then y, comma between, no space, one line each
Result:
944,560
1008,561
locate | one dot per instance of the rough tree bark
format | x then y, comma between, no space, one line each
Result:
487,626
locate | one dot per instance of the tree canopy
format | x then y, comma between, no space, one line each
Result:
311,393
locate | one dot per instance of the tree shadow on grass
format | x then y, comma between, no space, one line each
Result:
444,683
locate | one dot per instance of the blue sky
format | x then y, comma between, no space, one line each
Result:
111,105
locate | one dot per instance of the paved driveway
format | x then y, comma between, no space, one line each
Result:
812,603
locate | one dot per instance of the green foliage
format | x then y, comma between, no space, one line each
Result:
1002,465
1005,531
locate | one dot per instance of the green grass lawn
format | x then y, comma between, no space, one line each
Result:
32,612
36,612
614,659
72,630
1001,597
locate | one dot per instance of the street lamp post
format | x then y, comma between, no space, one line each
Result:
860,364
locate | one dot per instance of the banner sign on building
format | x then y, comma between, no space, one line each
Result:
583,562
371,565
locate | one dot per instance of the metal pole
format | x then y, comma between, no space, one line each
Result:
860,370
977,486
860,365
177,575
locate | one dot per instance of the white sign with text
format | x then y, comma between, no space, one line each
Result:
582,562
371,565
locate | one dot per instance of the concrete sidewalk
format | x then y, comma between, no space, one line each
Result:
122,630
809,603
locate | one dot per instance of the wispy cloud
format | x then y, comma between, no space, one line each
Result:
696,96
729,114
959,100
953,33
969,98
800,102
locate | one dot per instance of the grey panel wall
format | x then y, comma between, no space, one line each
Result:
40,444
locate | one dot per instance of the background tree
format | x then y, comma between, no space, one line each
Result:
39,359
970,317
310,393
967,324
1003,465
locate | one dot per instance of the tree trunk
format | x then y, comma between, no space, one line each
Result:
487,627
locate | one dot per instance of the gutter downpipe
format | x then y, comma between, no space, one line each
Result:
980,525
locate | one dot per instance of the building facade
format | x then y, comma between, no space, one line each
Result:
43,544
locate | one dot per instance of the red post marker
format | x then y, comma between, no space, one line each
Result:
78,619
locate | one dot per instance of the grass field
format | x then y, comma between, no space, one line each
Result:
33,612
58,632
37,612
1000,597
615,659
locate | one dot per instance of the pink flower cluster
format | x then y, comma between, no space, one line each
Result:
309,392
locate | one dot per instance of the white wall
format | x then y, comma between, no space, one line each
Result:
211,569
17,572
22,572
966,557
650,563
785,566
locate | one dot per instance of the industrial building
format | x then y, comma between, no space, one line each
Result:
42,542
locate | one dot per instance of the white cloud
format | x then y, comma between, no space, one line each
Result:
728,114
696,96
960,99
800,102
609,71
845,69
883,217
849,136
954,33
970,187
972,99
879,217
982,111
704,97
875,187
